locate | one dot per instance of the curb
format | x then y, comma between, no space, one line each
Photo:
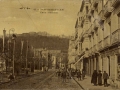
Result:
78,83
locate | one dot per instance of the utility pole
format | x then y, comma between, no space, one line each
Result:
4,61
34,59
21,52
26,54
4,32
39,58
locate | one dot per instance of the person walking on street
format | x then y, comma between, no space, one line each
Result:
79,75
99,78
94,78
72,73
83,74
64,75
59,73
105,77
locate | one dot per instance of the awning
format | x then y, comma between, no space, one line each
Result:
79,59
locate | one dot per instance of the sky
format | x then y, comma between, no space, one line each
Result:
56,17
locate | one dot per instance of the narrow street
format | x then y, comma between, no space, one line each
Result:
43,80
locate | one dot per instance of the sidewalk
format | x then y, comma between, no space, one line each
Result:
86,84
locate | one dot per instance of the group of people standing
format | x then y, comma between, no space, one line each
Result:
97,78
80,75
69,73
62,74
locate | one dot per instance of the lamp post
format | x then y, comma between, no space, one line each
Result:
12,29
13,38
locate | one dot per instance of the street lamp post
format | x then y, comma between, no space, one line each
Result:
12,29
13,53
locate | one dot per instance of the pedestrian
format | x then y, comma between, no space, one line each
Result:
105,77
59,73
94,78
67,76
99,78
83,74
79,75
11,77
76,71
64,75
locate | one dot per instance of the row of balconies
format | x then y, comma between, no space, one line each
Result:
115,3
108,8
114,38
108,41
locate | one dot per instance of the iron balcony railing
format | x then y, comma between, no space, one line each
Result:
108,8
106,41
100,45
115,3
115,38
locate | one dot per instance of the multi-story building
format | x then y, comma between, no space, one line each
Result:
71,53
81,36
98,23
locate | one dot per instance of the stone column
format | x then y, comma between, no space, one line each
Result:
100,63
88,66
94,63
91,66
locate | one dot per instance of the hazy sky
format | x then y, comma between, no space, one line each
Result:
61,21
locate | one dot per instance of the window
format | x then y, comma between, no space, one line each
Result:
86,9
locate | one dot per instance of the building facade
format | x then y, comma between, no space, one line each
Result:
71,53
97,37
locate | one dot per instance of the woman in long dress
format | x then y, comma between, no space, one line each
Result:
94,77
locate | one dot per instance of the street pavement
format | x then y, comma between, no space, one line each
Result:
86,84
56,83
49,81
4,76
43,81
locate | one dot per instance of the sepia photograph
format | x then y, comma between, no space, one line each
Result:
59,44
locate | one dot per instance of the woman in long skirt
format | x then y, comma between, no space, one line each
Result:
94,77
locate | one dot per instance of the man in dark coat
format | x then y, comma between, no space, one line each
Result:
105,77
79,75
99,78
83,74
64,74
94,77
